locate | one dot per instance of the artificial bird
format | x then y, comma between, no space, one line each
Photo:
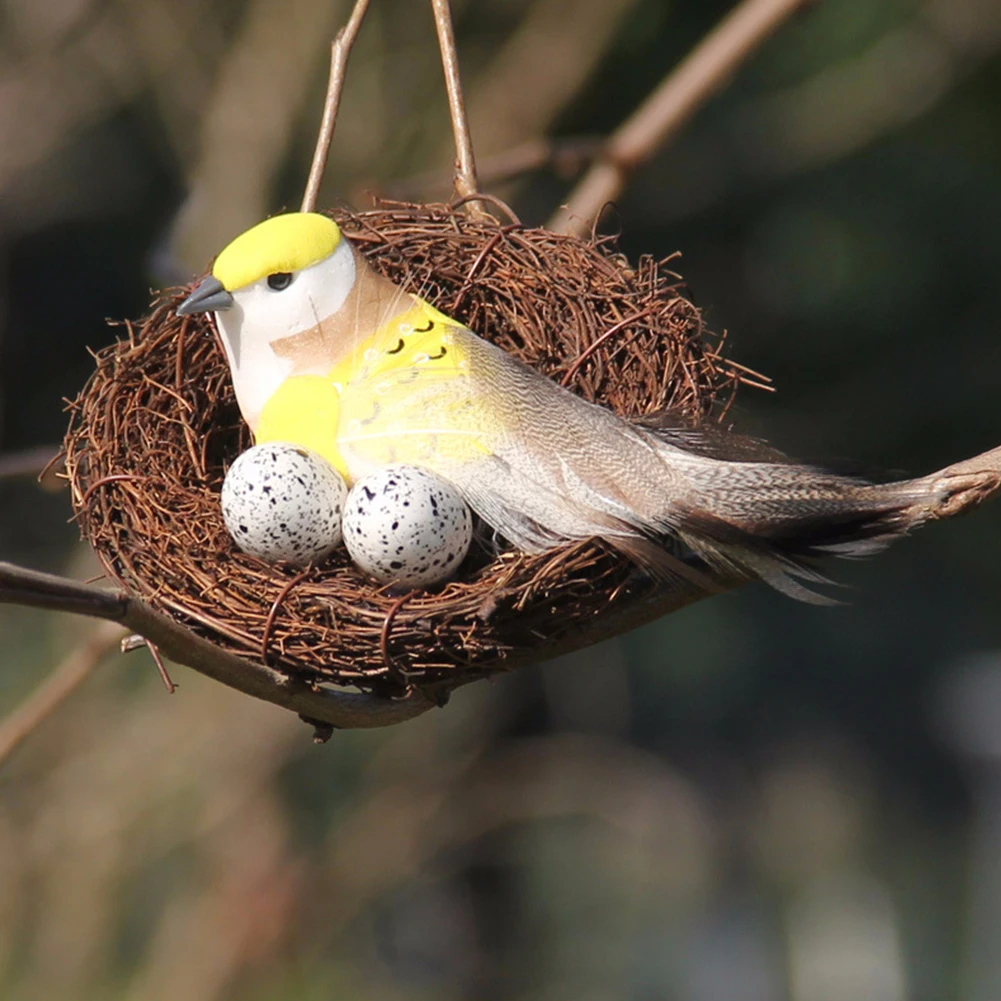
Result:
328,354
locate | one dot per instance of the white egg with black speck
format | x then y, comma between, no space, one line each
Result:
284,502
407,525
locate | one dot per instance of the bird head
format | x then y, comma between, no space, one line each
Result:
282,296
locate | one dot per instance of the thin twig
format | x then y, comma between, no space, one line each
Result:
339,52
135,642
464,182
269,622
78,666
575,367
699,75
161,668
344,710
486,199
394,669
476,265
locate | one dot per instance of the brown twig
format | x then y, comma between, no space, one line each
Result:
464,182
339,52
476,265
347,710
483,197
393,669
572,370
78,666
161,667
134,642
104,481
269,622
699,75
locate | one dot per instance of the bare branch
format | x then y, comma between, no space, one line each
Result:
342,710
339,52
465,182
703,72
78,666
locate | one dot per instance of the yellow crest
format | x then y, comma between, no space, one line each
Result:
287,242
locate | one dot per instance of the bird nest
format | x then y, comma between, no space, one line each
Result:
153,432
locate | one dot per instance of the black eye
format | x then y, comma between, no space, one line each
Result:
280,280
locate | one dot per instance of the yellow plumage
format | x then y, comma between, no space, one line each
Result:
402,395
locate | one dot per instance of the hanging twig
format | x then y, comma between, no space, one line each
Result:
78,666
464,183
161,668
134,642
339,52
703,72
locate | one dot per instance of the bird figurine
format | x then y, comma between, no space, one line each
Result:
329,355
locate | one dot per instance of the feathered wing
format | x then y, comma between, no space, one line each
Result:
538,464
542,466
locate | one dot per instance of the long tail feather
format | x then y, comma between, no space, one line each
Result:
776,520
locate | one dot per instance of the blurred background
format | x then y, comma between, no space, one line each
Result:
749,800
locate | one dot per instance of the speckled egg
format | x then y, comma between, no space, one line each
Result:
283,502
405,524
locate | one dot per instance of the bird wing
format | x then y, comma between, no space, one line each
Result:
540,465
414,403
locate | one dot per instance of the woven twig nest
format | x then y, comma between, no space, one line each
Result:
154,430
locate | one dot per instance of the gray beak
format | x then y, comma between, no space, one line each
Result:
208,297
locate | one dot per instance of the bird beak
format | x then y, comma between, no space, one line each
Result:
209,296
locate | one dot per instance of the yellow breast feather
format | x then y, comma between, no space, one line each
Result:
409,397
404,395
304,410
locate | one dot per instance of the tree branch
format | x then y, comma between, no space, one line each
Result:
339,52
344,710
464,181
703,72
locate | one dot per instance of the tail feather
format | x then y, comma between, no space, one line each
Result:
644,491
776,521
784,575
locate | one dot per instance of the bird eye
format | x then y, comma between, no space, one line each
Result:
279,280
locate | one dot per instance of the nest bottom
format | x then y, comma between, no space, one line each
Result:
155,428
